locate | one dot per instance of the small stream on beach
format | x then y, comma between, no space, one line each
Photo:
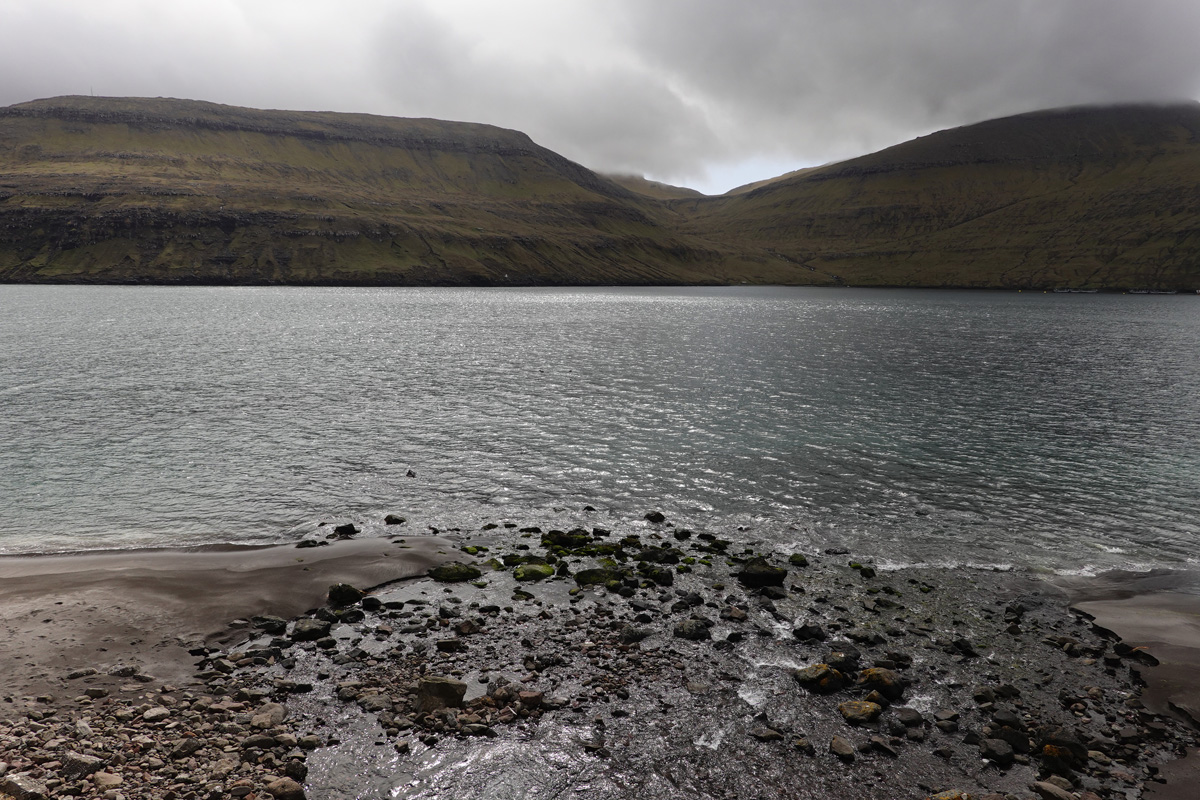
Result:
1056,431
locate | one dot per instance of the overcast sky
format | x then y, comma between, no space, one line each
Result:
703,93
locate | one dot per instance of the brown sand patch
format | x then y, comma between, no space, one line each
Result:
147,608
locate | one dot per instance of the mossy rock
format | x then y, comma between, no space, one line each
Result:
533,572
596,577
455,573
820,678
798,560
577,537
859,712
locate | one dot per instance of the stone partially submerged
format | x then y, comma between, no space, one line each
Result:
455,572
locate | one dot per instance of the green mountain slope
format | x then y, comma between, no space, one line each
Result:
173,191
1086,197
104,189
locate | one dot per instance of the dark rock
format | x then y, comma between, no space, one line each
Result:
371,603
881,745
451,645
965,647
841,748
819,678
578,537
187,748
1008,719
764,734
997,751
596,577
859,712
844,657
392,519
733,614
909,717
343,594
809,632
773,592
436,691
797,560
632,635
260,741
656,517
692,629
79,765
22,787
269,624
346,530
884,681
758,572
455,573
310,630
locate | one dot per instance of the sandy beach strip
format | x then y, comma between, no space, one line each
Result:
1158,613
146,608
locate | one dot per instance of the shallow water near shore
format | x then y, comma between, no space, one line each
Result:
1057,431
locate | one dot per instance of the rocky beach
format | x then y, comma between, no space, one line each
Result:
612,659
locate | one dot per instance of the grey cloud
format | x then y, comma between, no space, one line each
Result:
672,88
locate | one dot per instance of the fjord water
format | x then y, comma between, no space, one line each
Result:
1060,431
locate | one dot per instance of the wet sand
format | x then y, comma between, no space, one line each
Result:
1159,613
147,608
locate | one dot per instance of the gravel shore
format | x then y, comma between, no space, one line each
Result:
643,661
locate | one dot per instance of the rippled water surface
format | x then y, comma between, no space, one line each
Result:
1059,430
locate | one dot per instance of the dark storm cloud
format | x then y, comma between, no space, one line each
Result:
677,89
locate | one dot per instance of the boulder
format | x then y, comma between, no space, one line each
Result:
437,691
693,629
268,716
859,712
656,517
575,538
809,632
286,789
997,751
455,572
78,765
819,678
22,787
310,629
841,748
884,681
106,780
758,572
343,594
533,572
392,519
156,714
596,577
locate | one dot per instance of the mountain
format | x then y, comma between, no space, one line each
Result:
1076,197
174,191
660,191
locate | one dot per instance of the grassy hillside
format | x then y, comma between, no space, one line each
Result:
1088,197
173,191
103,189
659,191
